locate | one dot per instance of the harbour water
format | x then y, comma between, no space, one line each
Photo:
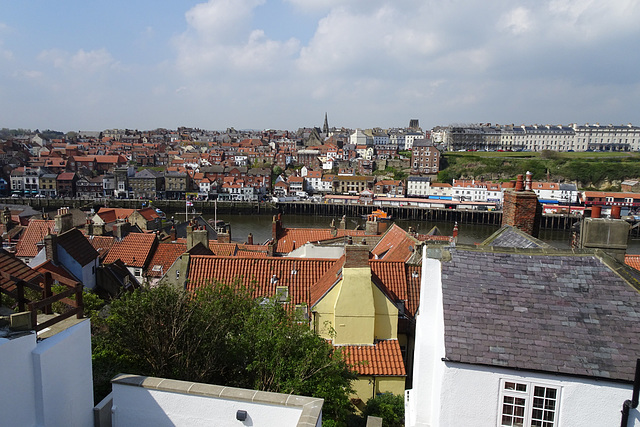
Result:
260,227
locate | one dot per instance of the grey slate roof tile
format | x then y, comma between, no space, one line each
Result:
564,312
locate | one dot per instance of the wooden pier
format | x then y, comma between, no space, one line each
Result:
462,216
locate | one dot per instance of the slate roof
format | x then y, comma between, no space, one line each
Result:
34,233
512,237
77,246
381,359
134,250
567,312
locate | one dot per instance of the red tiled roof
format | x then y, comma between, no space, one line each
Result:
293,238
326,282
632,261
34,233
414,274
298,274
395,245
392,276
102,244
381,359
111,214
134,250
15,268
164,257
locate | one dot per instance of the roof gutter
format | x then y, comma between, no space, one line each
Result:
633,403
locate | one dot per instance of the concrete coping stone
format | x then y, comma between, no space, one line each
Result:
311,406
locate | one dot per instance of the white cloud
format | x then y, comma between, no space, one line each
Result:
219,39
85,61
516,21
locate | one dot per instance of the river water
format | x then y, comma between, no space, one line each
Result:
260,227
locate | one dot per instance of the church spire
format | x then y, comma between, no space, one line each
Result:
325,127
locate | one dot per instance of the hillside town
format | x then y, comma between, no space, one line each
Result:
547,336
385,167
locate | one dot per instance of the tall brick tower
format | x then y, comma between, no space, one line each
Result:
521,208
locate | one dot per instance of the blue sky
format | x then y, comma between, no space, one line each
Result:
78,65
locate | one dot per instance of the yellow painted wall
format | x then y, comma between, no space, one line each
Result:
364,386
354,310
386,325
357,311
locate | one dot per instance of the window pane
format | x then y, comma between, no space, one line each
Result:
506,420
538,391
521,387
551,393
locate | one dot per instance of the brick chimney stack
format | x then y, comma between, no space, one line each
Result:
276,226
521,208
356,256
50,248
6,218
197,235
250,239
63,220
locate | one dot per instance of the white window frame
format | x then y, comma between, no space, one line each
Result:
527,400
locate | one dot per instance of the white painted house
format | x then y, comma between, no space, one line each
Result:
47,382
526,337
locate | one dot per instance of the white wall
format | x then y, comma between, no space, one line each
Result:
63,378
48,383
454,394
423,401
137,406
17,393
470,395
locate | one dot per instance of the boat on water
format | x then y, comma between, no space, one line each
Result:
377,215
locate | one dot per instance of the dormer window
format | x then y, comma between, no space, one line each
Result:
282,293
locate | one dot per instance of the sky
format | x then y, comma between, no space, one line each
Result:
72,65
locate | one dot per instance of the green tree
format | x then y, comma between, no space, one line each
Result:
388,406
220,334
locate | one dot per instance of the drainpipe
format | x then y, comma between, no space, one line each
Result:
633,403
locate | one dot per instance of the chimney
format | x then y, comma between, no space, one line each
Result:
615,212
519,183
609,235
521,209
372,227
343,223
63,220
172,233
528,182
51,248
250,239
197,235
121,229
332,227
89,227
356,256
276,226
6,218
455,230
596,211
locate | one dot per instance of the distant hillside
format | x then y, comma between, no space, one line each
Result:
587,169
